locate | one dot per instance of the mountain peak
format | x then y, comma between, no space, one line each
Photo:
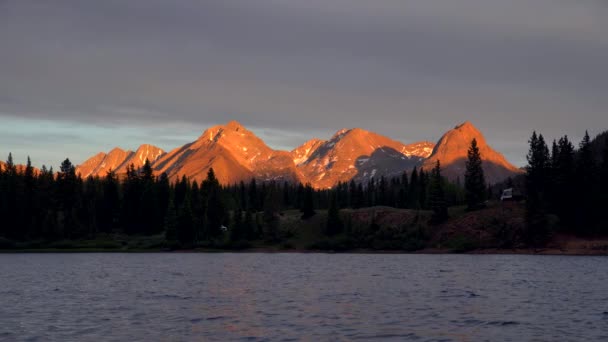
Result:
146,146
340,134
233,125
147,151
451,151
467,126
116,150
216,132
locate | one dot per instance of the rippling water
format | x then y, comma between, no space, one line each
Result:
206,297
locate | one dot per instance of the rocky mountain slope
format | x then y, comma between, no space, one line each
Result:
451,152
234,153
356,154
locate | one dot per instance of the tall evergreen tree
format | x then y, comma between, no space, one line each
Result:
186,231
334,223
171,223
110,204
253,202
586,189
271,213
537,175
308,206
237,231
437,196
215,206
474,180
414,191
249,226
402,201
604,185
68,191
562,190
353,194
28,210
149,207
10,165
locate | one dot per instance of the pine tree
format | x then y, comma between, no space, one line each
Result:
216,212
437,196
382,192
403,191
423,182
271,214
253,202
604,184
562,190
353,195
242,196
414,191
149,206
171,223
334,223
537,174
585,187
249,226
68,190
474,180
28,210
308,207
163,192
110,204
236,229
147,175
10,165
186,231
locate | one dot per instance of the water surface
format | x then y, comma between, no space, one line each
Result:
315,297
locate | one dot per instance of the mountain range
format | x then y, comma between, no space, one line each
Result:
237,154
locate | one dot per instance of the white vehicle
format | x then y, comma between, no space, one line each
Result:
507,195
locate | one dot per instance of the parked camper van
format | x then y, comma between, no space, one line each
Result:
510,194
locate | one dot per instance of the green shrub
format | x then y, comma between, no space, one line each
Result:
461,244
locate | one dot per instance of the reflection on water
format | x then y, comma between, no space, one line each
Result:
206,297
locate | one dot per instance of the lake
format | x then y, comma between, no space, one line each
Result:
313,297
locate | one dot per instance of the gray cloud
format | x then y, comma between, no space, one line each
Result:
407,69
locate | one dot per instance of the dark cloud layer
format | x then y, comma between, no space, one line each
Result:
292,69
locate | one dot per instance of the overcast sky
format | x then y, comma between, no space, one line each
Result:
82,76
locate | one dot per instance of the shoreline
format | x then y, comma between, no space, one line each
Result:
433,251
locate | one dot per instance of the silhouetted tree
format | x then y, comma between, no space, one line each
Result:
110,204
437,196
308,207
186,232
171,223
474,180
537,175
216,212
334,223
271,214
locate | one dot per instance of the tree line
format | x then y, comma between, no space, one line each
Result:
46,205
567,188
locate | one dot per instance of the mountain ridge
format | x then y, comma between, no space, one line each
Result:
237,154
